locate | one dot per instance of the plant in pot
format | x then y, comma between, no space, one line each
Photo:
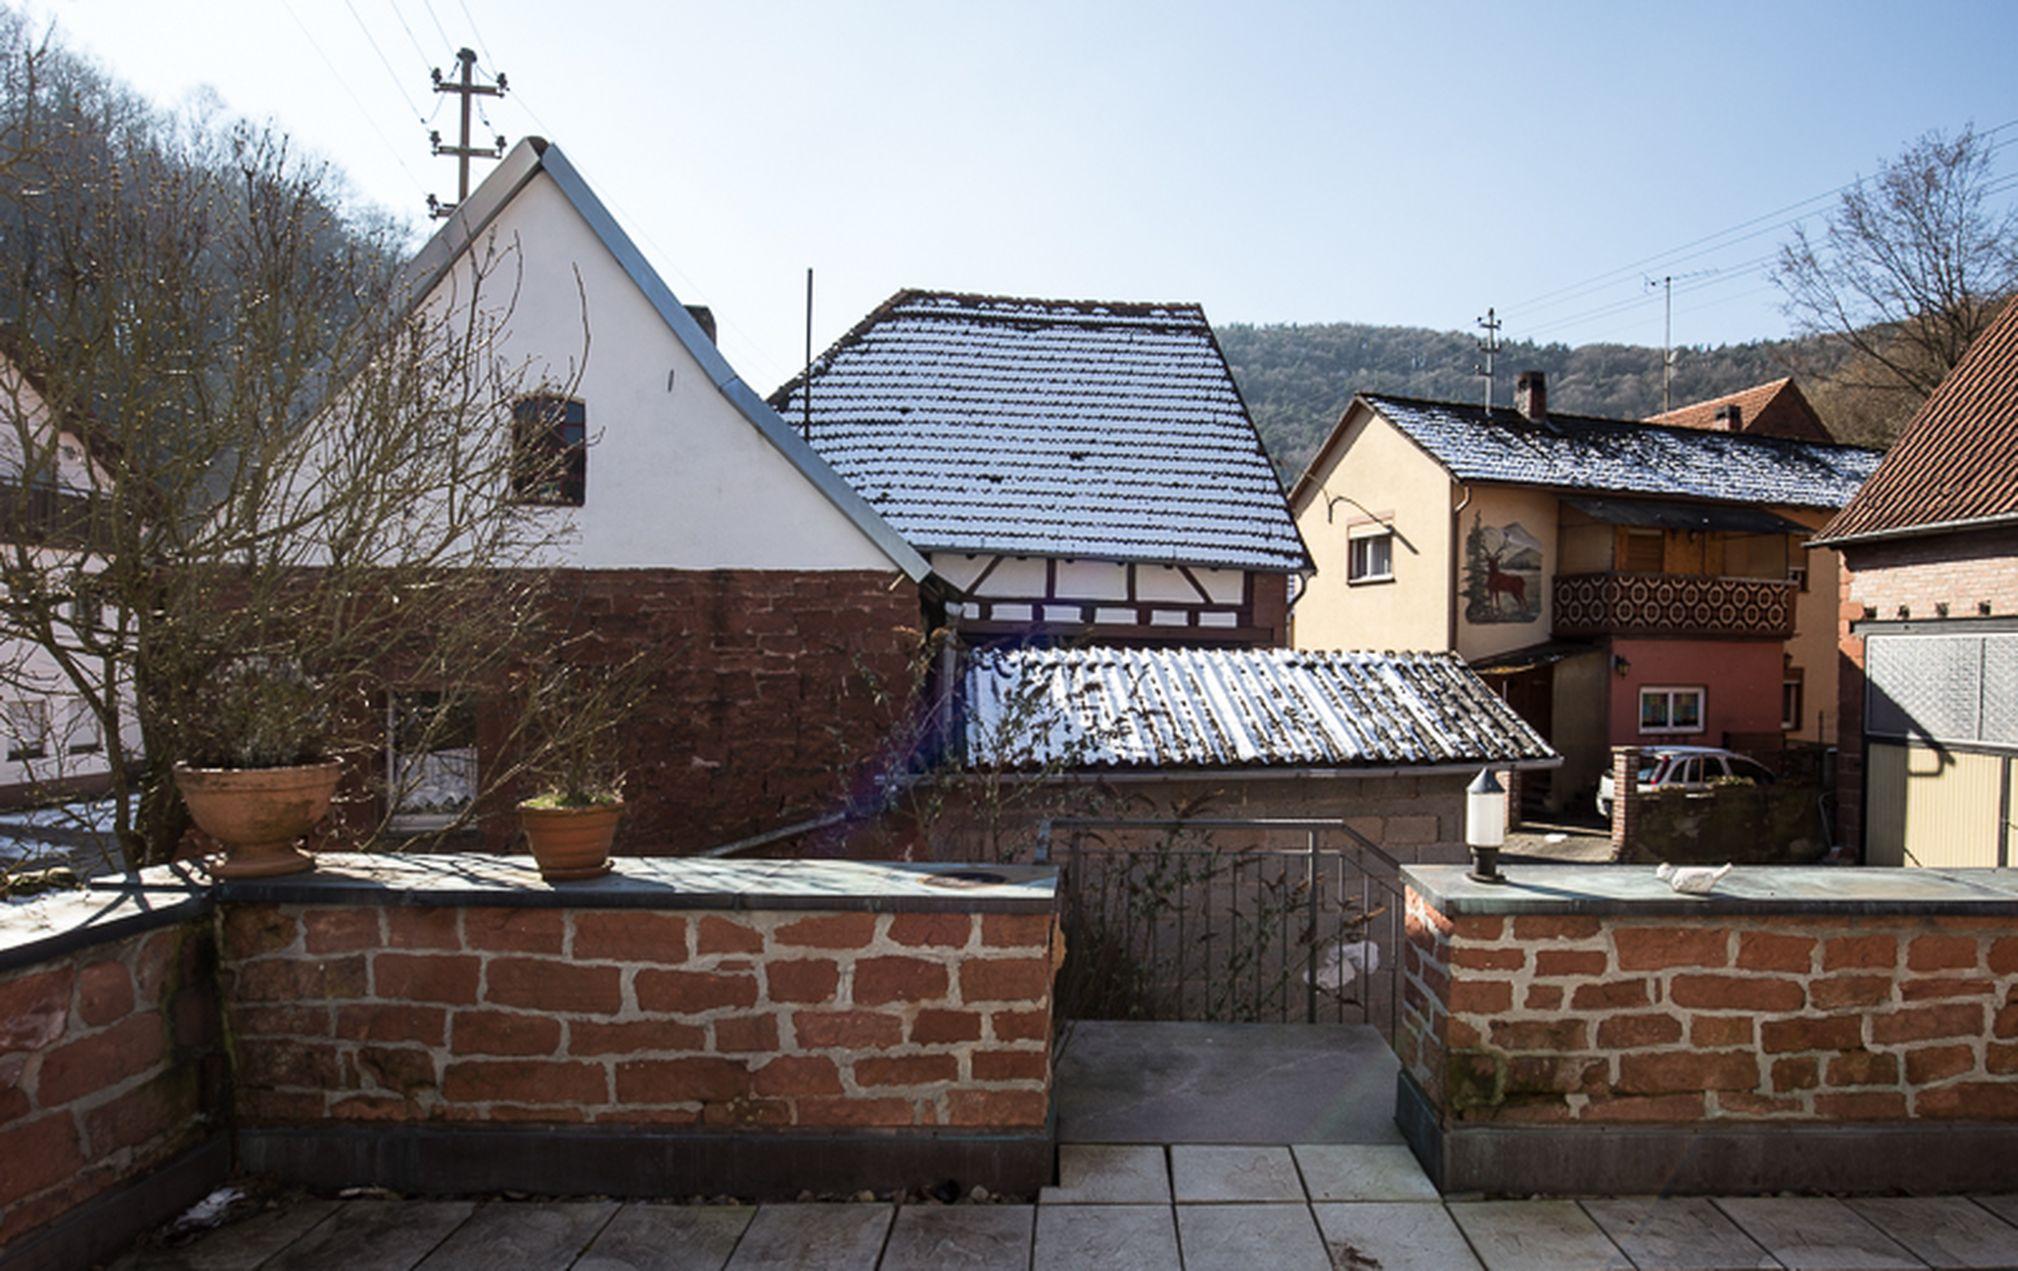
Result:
257,776
575,715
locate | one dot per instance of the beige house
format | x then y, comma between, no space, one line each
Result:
1617,581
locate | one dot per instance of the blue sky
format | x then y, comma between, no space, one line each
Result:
1402,162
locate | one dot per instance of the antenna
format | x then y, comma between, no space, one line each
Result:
806,380
465,87
1489,345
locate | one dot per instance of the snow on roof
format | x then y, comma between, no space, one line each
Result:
1234,708
1049,428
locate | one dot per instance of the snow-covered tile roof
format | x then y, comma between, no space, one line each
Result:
1048,428
1231,708
1588,453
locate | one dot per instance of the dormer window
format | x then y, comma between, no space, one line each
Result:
550,451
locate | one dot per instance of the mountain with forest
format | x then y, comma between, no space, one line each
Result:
1297,378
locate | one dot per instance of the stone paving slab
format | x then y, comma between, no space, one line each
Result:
1233,1174
1537,1235
2005,1207
1226,1237
960,1238
648,1235
242,1246
1363,1171
523,1234
374,1235
1110,1237
1816,1233
1393,1236
841,1237
1680,1233
1107,1174
1944,1231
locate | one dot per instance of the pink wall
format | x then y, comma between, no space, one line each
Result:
1742,678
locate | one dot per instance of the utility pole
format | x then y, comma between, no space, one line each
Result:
1489,346
806,380
465,87
1667,285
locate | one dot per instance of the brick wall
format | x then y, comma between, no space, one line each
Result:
777,1019
1554,1019
109,1065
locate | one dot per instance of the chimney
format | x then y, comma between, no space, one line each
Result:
706,317
1531,396
1731,417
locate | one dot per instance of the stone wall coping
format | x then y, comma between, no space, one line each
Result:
1632,891
637,882
49,926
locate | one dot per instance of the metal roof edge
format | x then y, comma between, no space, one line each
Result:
459,231
1921,530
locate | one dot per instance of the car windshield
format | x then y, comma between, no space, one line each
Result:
1648,766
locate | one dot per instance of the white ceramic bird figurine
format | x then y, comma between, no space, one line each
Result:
1692,880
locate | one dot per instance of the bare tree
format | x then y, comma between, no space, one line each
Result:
1909,268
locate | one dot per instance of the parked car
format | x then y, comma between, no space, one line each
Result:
1685,768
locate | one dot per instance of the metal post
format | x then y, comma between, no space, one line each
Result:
1310,960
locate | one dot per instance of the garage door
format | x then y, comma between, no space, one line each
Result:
1941,729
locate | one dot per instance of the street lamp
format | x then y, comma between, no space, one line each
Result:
1485,825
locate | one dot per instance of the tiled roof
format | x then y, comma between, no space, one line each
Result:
1958,459
1051,428
1234,708
1778,409
1581,452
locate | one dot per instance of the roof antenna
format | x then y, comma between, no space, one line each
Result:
806,380
1489,345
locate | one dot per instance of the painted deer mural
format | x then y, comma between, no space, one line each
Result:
1500,583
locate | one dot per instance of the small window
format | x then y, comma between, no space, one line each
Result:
81,734
1671,710
550,455
431,761
27,724
1790,704
1370,558
1644,552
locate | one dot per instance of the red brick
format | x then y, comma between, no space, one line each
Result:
545,1081
1643,1109
514,930
1540,1034
797,1075
588,1037
629,936
1941,986
946,931
2003,957
1942,953
1861,953
802,980
1969,1101
1543,997
1478,927
550,984
426,977
299,979
1001,931
1863,1068
1736,993
166,1104
1005,980
1861,1105
1771,951
38,1154
855,1112
104,993
2000,1058
1481,997
504,1033
726,935
391,1022
1850,990
1011,1065
403,1069
1547,927
34,1008
267,1107
1714,1032
743,1034
1937,1063
371,1107
423,927
1556,962
906,1070
340,930
997,1107
1666,1072
832,931
692,992
315,1067
95,1063
1745,1103
880,980
1657,948
2005,1022
1476,958
1797,1074
1812,1032
1924,1023
247,931
1610,995
1624,1032
940,1027
852,1030
1528,1075
1020,1026
681,1080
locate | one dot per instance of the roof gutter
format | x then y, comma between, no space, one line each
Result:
1919,531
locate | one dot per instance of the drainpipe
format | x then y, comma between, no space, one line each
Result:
1456,532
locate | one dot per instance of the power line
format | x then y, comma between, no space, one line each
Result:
427,63
392,75
354,98
439,29
476,31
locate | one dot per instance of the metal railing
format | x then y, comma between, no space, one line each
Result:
1214,921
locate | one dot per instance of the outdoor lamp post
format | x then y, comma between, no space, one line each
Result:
1485,825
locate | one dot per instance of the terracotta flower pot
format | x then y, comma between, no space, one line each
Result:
259,814
571,842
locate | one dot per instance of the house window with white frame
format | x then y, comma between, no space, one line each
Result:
81,733
431,761
1672,709
27,725
1370,555
1790,703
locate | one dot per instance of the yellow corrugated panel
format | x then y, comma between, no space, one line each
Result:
1932,807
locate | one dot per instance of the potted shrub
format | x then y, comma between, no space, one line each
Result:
257,777
575,716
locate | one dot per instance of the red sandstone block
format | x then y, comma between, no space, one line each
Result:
747,1111
1474,958
1851,990
1715,1032
1797,1074
1021,1026
1480,997
727,935
1812,1032
1671,1072
104,992
589,1037
1540,1034
1011,1065
692,992
2003,956
802,980
1927,1064
2005,1022
1625,1032
1559,962
1925,1023
681,1080
906,1070
1475,927
546,1081
37,1155
1860,1105
626,936
1969,1101
1528,1075
1736,993
1544,997
387,1022
1001,931
550,984
514,930
426,977
1002,980
371,1107
1943,953
854,1112
832,931
305,1065
1611,995
163,1105
1460,1035
852,1030
1941,986
2000,1058
430,927
91,1064
744,1034
1638,1108
246,931
797,1075
1863,1068
407,1070
1554,927
1745,1103
538,1114
504,1033
1861,953
300,979
1657,948
946,931
1772,951
340,930
997,1107
881,980
270,1107
933,1027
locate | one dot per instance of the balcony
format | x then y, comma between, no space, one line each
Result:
1674,605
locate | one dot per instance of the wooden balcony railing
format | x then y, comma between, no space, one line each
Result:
1673,604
